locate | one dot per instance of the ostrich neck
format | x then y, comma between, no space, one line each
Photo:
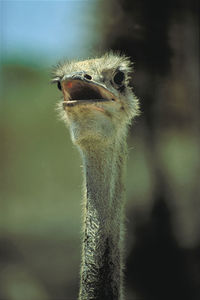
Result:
101,270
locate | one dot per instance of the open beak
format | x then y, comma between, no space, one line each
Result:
80,91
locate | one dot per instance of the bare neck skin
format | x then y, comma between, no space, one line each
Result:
101,269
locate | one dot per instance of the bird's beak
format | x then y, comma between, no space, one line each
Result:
78,90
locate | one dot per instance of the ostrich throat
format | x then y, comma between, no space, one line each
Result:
101,270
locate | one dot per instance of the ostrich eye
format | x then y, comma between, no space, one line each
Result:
119,77
59,85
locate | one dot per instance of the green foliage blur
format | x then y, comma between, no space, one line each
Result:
40,187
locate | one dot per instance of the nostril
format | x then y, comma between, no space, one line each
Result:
88,76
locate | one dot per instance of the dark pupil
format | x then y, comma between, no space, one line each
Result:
119,77
59,86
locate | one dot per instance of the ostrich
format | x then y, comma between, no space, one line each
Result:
98,106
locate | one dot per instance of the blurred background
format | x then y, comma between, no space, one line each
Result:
40,174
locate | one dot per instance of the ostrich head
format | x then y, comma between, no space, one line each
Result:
98,101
